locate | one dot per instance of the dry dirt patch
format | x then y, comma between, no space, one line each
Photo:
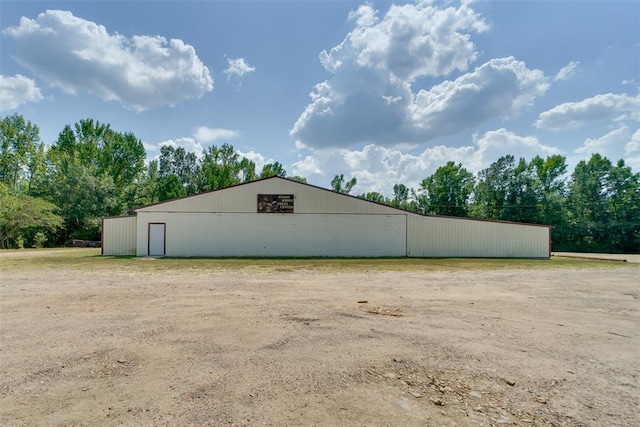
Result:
276,345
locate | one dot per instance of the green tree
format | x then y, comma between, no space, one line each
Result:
374,196
89,141
531,192
247,170
523,196
96,146
20,147
122,158
492,188
83,197
624,197
147,193
448,190
550,174
91,172
22,214
36,169
220,167
603,211
298,179
170,187
400,196
183,164
273,169
339,185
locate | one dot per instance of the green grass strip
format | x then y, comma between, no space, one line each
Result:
90,259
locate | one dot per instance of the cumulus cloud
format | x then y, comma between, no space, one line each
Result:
210,135
568,71
376,168
17,90
632,151
499,88
409,41
497,143
256,158
615,139
140,72
633,146
370,96
615,145
379,168
198,143
603,107
238,68
189,144
375,110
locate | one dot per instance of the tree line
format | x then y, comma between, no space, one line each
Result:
50,195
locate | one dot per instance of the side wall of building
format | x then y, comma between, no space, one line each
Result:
254,234
452,237
119,236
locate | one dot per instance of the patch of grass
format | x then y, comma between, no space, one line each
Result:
90,259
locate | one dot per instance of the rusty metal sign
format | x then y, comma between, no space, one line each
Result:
275,203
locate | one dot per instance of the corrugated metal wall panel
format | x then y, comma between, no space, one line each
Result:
243,199
253,234
119,236
325,223
450,237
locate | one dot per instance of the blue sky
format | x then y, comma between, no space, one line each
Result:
383,91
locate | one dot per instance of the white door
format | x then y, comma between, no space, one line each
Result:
156,239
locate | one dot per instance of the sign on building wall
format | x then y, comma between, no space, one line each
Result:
275,203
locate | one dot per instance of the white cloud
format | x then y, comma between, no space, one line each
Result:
617,137
256,158
501,142
209,135
410,41
365,16
603,107
238,68
376,168
568,71
633,146
499,88
17,90
202,135
632,151
140,72
152,150
189,145
192,145
371,98
379,168
364,106
615,145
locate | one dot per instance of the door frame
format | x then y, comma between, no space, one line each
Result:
164,237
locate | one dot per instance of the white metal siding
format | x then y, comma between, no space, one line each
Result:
226,223
253,234
243,199
451,237
119,236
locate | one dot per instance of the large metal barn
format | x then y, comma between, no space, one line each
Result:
276,216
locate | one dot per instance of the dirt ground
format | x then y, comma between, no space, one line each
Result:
286,346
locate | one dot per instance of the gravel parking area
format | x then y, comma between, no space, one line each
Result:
278,345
